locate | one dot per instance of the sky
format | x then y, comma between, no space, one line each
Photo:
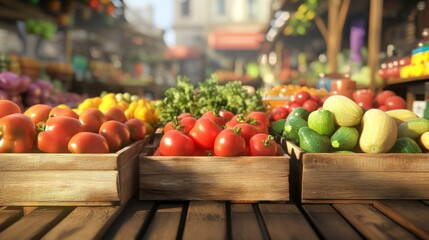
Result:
162,16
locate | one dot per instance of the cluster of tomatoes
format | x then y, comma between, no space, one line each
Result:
61,130
301,99
223,134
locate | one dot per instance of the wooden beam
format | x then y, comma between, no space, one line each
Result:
332,41
374,36
322,28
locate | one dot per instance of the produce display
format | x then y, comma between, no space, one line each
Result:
122,107
43,128
343,126
207,96
25,92
223,134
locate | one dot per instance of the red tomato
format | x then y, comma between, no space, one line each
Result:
187,124
383,108
279,113
184,124
261,116
57,133
366,93
157,152
395,102
91,119
38,113
183,115
116,134
202,152
175,143
115,113
294,105
239,118
229,144
247,130
17,133
262,128
226,115
213,116
364,102
380,99
88,142
262,145
310,105
65,112
301,97
204,133
8,107
137,128
316,99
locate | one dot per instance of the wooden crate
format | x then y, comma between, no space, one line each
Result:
39,179
360,177
247,179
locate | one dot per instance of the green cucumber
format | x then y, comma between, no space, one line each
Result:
345,138
278,126
405,145
312,142
291,128
413,128
299,112
322,121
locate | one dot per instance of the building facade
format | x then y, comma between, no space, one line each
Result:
227,32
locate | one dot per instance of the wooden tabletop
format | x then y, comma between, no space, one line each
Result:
220,220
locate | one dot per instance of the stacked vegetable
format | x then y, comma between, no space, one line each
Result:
220,134
207,96
131,106
61,130
24,92
343,126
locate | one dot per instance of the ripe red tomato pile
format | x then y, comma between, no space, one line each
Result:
220,134
42,128
300,99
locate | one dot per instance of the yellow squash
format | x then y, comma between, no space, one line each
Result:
379,132
346,112
401,115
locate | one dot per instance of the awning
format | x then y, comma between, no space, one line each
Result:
235,40
181,52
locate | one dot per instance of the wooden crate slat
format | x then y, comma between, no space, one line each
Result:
371,223
51,186
364,185
392,162
9,215
35,224
207,220
85,223
245,164
285,221
41,161
244,224
130,222
412,215
214,187
165,222
329,222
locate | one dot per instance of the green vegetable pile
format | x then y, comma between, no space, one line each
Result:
207,96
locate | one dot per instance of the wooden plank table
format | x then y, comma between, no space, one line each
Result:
389,219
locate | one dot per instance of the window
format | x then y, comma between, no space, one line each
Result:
252,9
185,7
221,7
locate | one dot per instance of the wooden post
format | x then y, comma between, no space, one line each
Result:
331,44
374,35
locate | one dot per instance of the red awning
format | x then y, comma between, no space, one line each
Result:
235,40
181,52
